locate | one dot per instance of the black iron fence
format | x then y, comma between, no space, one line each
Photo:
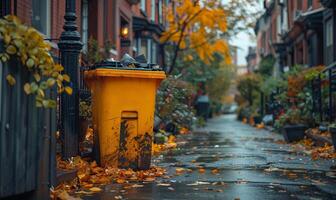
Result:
324,94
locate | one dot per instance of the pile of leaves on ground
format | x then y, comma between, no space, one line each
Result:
316,152
159,148
91,177
317,132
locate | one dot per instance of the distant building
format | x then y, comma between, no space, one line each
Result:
234,54
241,70
329,29
297,32
251,59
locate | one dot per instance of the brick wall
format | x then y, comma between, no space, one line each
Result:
23,10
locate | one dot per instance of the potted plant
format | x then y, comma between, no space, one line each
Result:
257,119
291,125
332,130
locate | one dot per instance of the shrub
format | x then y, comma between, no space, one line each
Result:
174,102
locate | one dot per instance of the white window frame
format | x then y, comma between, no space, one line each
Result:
149,50
153,8
154,52
329,33
160,11
85,24
47,23
143,5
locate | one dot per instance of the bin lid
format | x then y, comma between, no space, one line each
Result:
120,66
122,72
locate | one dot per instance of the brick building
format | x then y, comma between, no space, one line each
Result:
297,32
251,59
329,24
129,26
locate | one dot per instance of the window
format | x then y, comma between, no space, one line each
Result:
41,16
285,20
310,3
149,49
153,10
154,52
85,15
299,4
278,28
143,47
160,11
143,5
5,8
329,33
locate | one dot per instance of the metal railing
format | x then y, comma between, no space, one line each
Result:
324,94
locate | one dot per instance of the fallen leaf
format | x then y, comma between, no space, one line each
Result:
95,189
137,186
149,179
215,171
171,189
198,183
120,181
179,170
272,169
163,184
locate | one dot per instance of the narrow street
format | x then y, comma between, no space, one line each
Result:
239,162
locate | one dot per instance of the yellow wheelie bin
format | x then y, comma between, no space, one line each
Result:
123,105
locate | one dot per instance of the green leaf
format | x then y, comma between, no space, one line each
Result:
27,88
38,104
18,43
40,92
30,63
11,49
44,85
10,79
34,87
51,82
37,77
49,103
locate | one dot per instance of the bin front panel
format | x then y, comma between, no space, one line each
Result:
129,140
125,138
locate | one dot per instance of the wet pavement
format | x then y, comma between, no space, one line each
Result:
239,162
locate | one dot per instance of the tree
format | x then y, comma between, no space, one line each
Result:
204,26
196,25
266,66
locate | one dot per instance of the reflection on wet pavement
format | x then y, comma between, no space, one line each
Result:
237,162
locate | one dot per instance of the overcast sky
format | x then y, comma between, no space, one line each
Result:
243,41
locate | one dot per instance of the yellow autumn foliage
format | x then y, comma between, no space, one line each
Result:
197,25
29,46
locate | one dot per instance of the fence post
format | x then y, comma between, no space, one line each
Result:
320,108
70,47
330,96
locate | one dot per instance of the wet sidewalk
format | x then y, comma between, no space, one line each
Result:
231,160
